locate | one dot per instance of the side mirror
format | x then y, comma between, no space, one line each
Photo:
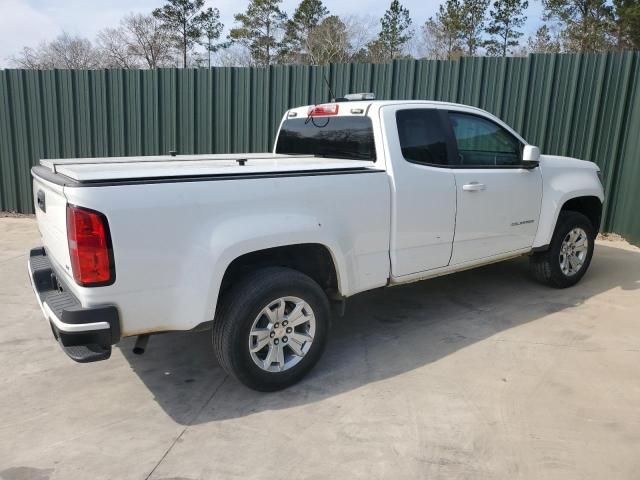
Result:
530,156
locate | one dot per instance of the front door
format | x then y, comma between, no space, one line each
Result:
498,200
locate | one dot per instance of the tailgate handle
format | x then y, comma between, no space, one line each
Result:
41,201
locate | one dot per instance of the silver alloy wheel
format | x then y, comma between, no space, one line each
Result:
573,251
282,334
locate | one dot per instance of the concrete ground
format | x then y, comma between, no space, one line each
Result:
482,374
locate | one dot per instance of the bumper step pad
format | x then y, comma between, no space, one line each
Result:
82,345
87,353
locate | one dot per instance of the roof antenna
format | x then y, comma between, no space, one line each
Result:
333,97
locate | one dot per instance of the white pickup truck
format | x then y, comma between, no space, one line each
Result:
356,195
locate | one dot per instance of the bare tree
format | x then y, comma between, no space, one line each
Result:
139,41
328,42
66,51
149,40
116,49
361,31
33,58
235,55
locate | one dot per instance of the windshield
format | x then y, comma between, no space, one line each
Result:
347,137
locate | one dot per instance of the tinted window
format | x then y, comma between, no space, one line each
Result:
422,136
482,142
342,137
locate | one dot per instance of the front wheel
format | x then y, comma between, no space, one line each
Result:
569,254
271,328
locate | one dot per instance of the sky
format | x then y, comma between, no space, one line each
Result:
29,22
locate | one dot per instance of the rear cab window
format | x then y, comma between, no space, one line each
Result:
424,137
347,137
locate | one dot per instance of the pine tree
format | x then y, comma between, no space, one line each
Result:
506,17
260,30
212,29
183,19
588,24
473,16
298,29
396,31
627,17
443,34
543,41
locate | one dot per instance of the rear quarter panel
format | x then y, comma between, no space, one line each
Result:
173,241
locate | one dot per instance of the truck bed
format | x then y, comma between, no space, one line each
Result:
91,170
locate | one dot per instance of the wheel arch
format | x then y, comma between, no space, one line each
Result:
313,259
264,240
589,204
317,260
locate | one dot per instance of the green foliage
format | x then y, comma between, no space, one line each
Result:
298,29
211,30
260,30
506,18
587,24
544,41
443,34
472,16
395,33
183,19
627,14
375,52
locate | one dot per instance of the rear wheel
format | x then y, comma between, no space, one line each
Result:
271,328
569,254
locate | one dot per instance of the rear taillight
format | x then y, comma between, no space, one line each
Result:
90,247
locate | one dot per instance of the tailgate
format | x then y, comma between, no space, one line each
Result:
51,213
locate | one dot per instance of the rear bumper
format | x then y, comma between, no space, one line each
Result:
85,334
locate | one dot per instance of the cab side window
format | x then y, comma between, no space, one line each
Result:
423,137
483,143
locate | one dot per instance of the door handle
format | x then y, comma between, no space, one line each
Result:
474,187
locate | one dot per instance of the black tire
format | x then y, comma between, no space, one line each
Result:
545,266
240,306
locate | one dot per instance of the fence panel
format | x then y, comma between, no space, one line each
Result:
580,105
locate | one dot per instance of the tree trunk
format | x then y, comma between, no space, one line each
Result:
184,44
268,59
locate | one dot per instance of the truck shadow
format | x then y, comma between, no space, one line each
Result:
384,333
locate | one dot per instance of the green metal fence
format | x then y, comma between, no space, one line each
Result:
583,105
